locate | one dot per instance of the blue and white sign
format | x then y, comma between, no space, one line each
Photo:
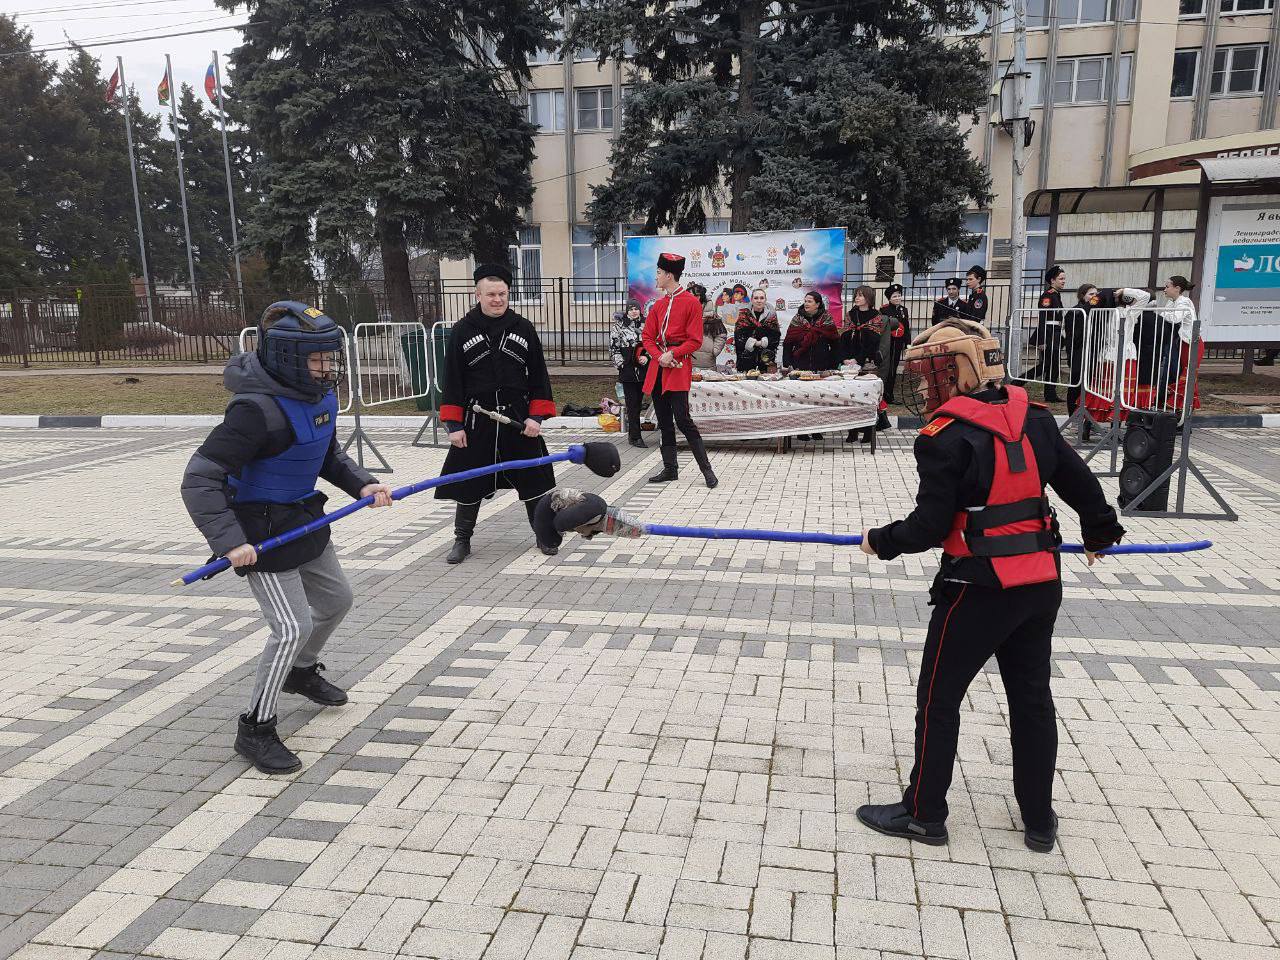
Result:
1240,295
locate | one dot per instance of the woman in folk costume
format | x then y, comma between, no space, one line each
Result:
756,334
867,339
812,340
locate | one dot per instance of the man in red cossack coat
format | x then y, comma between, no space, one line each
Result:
672,333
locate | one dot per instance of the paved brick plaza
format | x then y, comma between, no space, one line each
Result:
634,749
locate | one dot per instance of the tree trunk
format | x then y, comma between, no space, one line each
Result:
746,163
395,270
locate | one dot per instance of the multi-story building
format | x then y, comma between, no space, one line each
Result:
1123,93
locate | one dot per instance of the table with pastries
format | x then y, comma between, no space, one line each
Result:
762,408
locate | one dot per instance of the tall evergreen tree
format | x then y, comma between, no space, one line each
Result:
839,113
386,125
95,222
26,83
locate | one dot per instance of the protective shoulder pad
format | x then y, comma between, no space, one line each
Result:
271,413
936,426
1042,406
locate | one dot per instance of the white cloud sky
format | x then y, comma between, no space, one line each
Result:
51,22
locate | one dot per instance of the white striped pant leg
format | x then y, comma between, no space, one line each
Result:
284,604
329,596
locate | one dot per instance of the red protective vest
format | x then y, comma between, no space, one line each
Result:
1015,529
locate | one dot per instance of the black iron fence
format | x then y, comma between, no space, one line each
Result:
108,326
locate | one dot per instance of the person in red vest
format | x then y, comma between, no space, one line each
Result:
985,456
672,334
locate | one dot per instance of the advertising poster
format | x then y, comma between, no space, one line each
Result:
1241,299
786,263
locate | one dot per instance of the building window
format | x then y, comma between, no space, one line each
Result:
550,54
1186,64
1245,6
595,108
1035,85
955,263
1074,12
1087,79
1238,71
597,271
526,265
546,110
1037,247
1191,8
716,225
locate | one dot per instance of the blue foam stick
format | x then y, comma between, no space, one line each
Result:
854,539
575,454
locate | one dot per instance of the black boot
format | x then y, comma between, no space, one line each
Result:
851,436
464,524
893,820
258,742
882,420
308,682
670,470
1041,841
704,462
638,441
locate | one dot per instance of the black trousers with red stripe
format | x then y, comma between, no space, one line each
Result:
969,624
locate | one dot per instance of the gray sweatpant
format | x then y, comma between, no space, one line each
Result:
303,607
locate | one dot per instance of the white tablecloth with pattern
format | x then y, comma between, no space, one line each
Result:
755,409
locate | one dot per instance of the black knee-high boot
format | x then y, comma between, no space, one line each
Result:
464,524
670,466
531,507
704,462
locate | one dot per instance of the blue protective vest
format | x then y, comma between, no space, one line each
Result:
291,476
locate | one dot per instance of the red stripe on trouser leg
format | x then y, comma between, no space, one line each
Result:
924,739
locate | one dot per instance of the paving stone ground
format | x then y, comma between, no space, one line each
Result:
636,749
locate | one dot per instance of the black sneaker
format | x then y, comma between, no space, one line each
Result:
308,682
1041,841
460,551
259,743
892,820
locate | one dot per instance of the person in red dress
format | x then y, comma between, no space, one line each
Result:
672,334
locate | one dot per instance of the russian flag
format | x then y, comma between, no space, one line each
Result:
211,85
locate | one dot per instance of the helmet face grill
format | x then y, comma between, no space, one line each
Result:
930,382
289,334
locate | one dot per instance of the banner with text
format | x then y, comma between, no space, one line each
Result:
787,264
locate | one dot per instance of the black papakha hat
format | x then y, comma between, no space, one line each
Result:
492,271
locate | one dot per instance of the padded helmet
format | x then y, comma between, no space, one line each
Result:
288,333
952,357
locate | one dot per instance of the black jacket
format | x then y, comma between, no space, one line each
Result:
956,467
498,363
945,311
975,305
253,428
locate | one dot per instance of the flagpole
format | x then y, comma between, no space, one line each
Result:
137,196
182,179
231,194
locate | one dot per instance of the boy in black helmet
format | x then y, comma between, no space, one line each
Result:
254,477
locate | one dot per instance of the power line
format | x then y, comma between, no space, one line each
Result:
113,42
89,6
117,16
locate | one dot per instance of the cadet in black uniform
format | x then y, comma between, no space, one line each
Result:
1049,334
494,358
945,308
975,305
984,459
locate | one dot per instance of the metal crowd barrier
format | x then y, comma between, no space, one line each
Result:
1037,341
1134,364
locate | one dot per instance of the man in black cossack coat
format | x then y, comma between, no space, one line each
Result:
494,359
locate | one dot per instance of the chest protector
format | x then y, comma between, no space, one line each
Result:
1015,529
291,475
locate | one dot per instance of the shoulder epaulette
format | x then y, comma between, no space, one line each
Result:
936,426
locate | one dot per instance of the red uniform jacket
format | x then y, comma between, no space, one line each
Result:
680,332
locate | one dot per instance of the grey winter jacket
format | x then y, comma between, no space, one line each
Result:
255,427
